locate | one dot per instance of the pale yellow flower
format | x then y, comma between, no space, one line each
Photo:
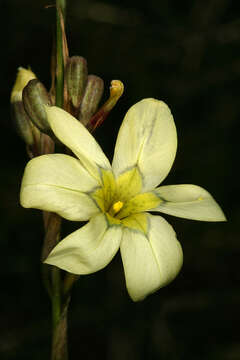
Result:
116,199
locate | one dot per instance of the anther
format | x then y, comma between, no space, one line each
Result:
116,207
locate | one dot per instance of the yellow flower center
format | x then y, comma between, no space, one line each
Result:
123,202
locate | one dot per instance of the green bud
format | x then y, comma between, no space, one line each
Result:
25,128
47,144
22,79
76,79
35,96
91,98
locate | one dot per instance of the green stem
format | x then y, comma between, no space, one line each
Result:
56,279
56,296
61,6
59,342
69,280
59,310
59,314
59,318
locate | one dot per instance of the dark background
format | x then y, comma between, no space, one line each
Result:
187,54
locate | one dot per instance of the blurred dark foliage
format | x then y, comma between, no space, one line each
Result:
186,53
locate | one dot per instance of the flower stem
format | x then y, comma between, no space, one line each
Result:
69,280
56,296
59,319
59,306
61,6
53,221
59,340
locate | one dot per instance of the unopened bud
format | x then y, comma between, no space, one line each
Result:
35,96
116,91
47,144
26,130
76,79
92,96
23,77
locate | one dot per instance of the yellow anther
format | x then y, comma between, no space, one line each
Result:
116,207
116,91
200,198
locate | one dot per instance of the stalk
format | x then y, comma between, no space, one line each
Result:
59,306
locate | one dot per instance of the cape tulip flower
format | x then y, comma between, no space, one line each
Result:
117,199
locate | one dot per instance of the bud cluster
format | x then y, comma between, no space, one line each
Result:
27,99
82,94
84,91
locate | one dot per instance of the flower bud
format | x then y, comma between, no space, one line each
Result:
35,96
47,144
26,130
23,77
91,98
76,79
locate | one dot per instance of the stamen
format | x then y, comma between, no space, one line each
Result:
116,207
116,91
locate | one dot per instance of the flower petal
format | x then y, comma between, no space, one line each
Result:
77,138
88,249
152,261
58,183
188,201
147,139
